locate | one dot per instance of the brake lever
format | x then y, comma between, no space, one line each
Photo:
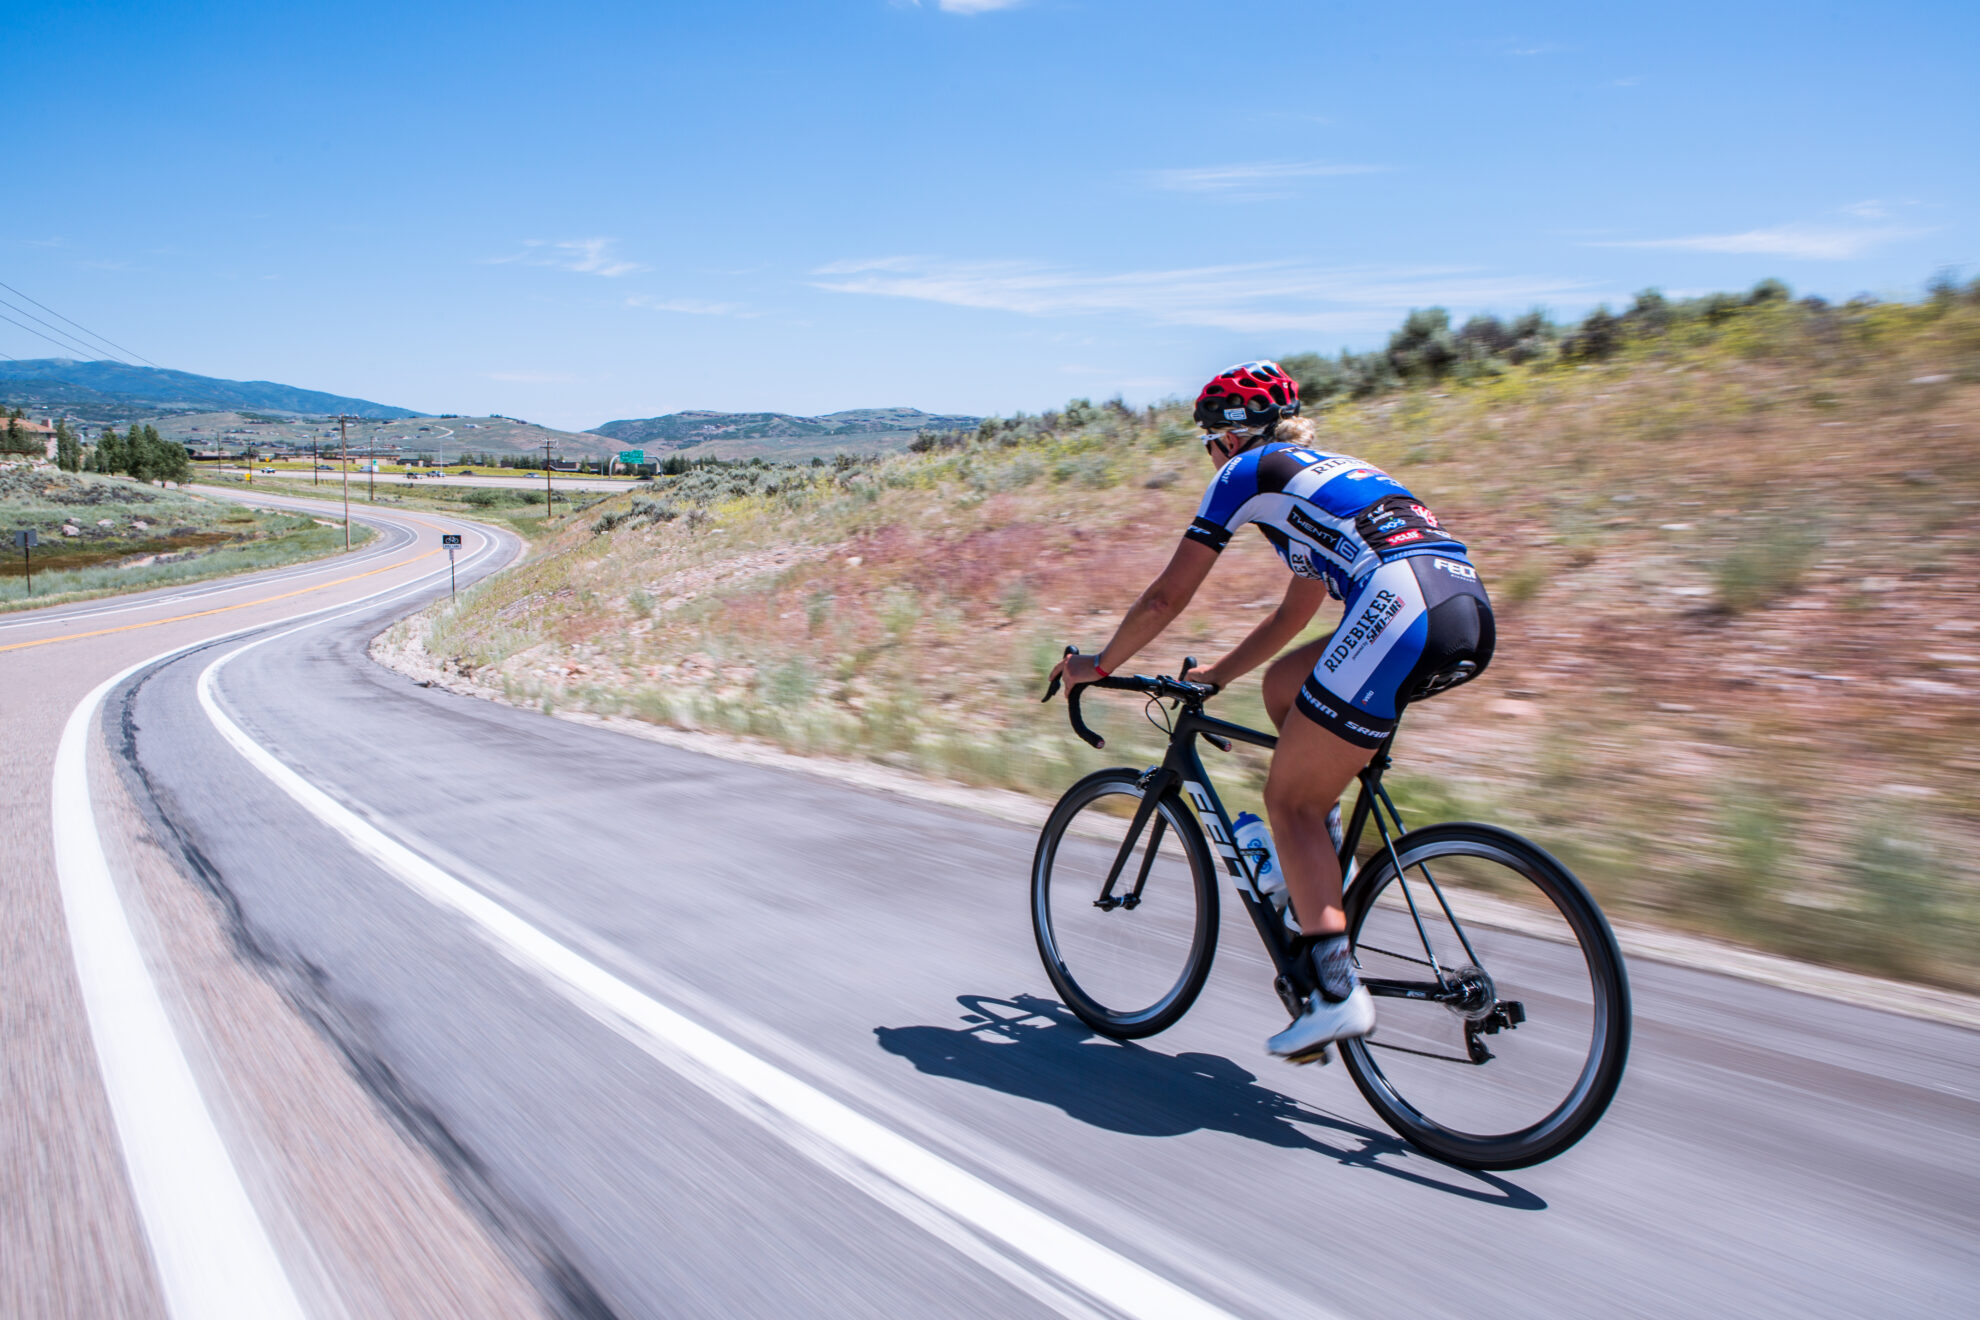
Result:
1221,743
1052,690
1072,706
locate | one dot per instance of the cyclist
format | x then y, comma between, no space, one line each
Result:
1414,612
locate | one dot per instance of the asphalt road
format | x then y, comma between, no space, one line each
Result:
688,1037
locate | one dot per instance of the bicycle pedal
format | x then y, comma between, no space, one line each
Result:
1323,1055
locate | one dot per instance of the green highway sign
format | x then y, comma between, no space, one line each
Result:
632,457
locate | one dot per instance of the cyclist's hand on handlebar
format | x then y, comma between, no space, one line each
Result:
1073,669
1206,674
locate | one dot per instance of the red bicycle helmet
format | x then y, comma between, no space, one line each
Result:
1249,394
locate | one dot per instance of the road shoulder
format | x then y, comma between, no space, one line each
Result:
404,655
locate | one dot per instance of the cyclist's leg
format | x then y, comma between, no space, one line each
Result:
1347,704
1310,770
1284,676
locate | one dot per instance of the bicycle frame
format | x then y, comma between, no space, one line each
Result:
1182,769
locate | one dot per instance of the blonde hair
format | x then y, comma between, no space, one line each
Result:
1295,430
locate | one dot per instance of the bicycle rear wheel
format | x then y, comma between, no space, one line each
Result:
1128,959
1502,1002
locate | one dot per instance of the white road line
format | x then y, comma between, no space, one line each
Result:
799,1113
214,1257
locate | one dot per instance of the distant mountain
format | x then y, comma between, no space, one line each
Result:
682,429
107,387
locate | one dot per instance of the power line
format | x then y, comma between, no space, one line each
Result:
65,347
71,343
80,326
87,347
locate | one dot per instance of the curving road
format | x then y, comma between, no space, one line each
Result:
494,1013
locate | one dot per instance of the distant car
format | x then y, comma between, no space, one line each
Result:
269,471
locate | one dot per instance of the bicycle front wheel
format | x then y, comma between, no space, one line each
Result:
1503,1015
1128,958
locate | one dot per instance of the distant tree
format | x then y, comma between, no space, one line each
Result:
17,440
1650,314
108,456
1081,411
1319,378
1484,336
141,453
1717,308
1424,349
1943,288
1768,291
1533,336
166,460
1598,336
68,449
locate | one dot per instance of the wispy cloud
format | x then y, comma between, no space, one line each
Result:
1877,208
585,256
965,6
689,306
1254,178
1253,298
1520,47
1805,242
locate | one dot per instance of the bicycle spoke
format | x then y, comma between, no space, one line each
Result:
1542,1034
1126,964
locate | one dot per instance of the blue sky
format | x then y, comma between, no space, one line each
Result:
584,211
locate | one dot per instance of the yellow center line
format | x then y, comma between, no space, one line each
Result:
221,609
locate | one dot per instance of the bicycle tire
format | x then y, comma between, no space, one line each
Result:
1131,1022
1595,1083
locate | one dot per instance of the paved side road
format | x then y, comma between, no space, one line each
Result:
703,1038
217,1091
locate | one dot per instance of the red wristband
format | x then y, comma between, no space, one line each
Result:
1098,670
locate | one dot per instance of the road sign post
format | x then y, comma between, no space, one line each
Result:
452,541
632,458
27,540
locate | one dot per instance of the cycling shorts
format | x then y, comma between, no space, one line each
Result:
1410,619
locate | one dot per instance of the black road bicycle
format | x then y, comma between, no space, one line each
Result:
1504,1019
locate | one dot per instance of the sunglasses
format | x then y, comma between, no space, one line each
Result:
1226,435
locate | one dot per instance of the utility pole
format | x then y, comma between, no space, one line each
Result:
344,443
314,478
371,477
546,481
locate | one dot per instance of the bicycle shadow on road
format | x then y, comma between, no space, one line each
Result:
1032,1047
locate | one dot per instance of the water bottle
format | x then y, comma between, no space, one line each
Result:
1255,842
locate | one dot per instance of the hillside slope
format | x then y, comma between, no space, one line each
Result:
699,427
1737,579
109,386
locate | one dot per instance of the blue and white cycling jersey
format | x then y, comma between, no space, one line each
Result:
1328,515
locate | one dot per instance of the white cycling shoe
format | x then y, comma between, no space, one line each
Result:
1323,1023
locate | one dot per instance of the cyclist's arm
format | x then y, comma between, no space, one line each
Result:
1304,597
1166,597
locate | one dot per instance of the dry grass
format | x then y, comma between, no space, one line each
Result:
1739,622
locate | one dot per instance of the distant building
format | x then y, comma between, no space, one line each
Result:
32,430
